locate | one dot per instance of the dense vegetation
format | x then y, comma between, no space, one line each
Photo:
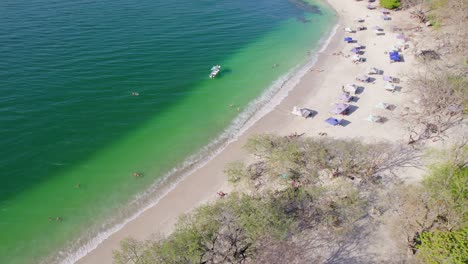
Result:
435,215
295,187
298,188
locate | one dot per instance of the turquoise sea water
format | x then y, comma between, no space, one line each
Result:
71,133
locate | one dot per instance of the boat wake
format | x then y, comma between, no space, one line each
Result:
257,109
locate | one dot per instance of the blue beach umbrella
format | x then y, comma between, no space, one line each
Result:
332,121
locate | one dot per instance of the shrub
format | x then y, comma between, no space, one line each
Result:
390,4
235,171
444,247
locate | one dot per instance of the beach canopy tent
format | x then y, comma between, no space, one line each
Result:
383,105
350,88
360,20
348,39
345,97
340,109
363,78
388,78
377,28
394,56
390,87
355,50
303,112
369,6
349,30
333,121
374,119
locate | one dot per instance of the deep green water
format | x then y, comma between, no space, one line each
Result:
67,117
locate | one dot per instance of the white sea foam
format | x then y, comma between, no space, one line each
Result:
257,109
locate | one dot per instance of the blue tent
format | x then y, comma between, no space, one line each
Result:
395,56
332,121
348,39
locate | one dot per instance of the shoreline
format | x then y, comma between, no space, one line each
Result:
329,40
202,183
261,106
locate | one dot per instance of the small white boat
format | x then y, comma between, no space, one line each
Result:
214,71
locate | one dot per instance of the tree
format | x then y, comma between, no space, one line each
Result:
439,205
442,101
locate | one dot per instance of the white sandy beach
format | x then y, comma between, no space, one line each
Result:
318,90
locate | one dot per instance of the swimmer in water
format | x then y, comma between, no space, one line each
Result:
135,94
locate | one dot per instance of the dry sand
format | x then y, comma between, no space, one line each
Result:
318,90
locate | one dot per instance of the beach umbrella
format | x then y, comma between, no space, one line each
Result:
303,112
355,50
388,78
400,36
348,39
363,78
389,87
373,118
333,121
394,56
377,28
382,105
339,109
345,97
